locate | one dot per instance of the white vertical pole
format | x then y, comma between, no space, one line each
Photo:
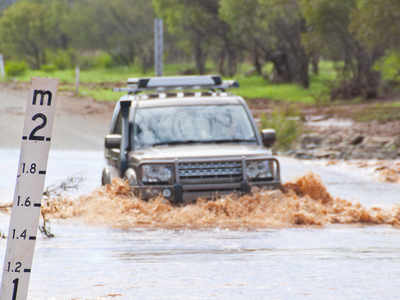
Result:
158,46
2,72
24,221
77,74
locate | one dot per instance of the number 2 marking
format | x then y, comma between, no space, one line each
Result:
32,135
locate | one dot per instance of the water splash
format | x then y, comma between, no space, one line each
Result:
304,202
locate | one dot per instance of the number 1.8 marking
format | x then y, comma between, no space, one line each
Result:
29,169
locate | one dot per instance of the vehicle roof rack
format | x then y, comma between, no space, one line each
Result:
160,84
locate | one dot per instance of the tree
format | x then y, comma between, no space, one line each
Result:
271,30
330,22
201,31
244,18
25,32
122,28
28,29
377,22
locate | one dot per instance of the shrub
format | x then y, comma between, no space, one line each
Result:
86,62
48,68
103,60
287,125
390,66
15,68
100,61
61,59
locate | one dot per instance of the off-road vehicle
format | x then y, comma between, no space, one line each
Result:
185,138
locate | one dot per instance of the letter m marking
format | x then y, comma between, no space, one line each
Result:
41,95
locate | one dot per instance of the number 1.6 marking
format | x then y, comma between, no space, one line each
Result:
26,202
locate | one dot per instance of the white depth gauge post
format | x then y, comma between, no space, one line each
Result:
35,146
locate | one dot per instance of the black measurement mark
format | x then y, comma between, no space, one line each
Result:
37,205
27,270
32,135
32,238
42,172
25,138
14,294
42,95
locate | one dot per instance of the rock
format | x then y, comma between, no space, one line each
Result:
311,141
334,140
324,154
346,144
396,142
357,140
377,141
303,155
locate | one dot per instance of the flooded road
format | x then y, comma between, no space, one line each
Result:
99,262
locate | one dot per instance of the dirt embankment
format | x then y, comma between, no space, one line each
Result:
80,123
345,139
368,130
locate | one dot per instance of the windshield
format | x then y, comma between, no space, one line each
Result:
192,124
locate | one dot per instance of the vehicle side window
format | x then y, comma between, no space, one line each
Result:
118,125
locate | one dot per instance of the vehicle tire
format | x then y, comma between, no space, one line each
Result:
130,175
105,177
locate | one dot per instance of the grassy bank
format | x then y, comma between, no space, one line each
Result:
98,83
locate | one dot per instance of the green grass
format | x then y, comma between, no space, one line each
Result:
101,94
394,104
119,74
116,74
251,87
256,87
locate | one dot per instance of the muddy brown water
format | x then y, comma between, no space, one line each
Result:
102,257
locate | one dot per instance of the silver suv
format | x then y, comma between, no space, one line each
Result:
185,138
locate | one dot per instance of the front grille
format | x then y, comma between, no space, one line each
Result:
210,172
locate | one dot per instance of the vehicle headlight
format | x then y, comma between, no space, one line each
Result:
153,174
259,170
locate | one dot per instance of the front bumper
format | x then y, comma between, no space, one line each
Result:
186,190
178,194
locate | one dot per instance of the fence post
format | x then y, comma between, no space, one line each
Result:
2,72
77,71
158,46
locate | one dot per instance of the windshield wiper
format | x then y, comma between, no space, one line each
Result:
233,141
205,142
177,143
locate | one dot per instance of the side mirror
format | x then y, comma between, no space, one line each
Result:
268,137
112,141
